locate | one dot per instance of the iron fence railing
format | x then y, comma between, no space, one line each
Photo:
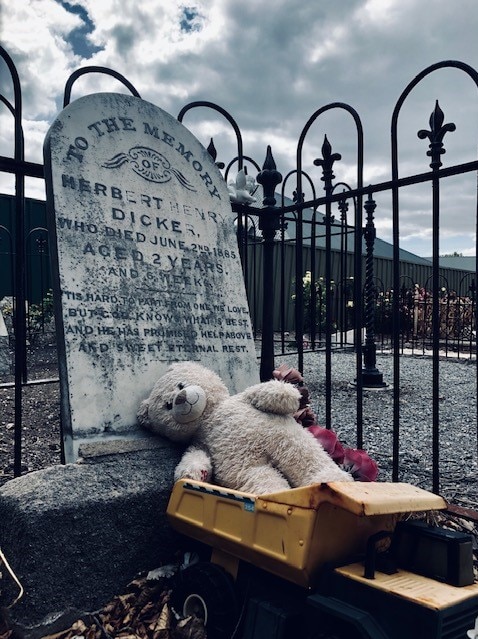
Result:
309,264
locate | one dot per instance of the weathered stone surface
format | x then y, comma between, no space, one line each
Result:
75,535
145,261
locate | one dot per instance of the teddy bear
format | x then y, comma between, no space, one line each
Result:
249,441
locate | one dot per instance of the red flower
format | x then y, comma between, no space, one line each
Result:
329,441
360,465
287,374
357,462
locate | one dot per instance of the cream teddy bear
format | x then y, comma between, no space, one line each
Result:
249,441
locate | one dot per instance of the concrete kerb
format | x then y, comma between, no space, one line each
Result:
75,535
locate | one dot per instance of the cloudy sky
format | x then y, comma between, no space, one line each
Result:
271,65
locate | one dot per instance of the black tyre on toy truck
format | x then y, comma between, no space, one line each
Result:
207,591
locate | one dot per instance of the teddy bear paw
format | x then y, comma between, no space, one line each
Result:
195,464
199,474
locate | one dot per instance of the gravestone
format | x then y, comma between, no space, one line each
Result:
145,263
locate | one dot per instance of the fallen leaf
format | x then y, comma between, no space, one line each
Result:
77,629
190,628
163,621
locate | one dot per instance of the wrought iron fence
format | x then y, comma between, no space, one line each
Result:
323,271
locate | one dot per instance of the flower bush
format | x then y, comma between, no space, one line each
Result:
384,311
355,461
456,313
415,305
317,315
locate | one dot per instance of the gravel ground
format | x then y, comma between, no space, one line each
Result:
40,413
458,428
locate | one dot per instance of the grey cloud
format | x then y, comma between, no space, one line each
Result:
272,66
125,39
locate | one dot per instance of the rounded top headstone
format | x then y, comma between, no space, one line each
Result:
145,260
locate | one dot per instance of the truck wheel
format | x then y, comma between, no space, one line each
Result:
207,591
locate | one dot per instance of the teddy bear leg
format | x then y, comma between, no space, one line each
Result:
262,480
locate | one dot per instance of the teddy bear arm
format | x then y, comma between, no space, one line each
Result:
303,461
195,464
273,397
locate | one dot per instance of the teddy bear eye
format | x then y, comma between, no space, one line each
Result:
168,406
181,386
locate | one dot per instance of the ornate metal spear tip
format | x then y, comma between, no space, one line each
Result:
269,178
327,155
211,149
435,135
326,162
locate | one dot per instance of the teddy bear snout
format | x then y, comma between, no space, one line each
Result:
189,404
180,398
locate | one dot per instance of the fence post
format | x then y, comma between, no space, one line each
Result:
269,223
327,162
19,318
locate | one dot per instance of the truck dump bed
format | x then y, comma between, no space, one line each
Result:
295,532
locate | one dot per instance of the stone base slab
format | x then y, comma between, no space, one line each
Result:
76,535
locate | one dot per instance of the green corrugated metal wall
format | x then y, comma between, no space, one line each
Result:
36,251
39,281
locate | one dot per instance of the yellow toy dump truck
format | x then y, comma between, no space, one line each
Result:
341,559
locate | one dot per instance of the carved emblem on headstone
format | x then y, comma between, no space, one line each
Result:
150,165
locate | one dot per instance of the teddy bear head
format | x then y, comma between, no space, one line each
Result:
181,400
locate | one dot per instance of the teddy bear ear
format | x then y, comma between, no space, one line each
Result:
143,413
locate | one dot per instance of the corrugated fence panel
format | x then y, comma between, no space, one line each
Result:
285,276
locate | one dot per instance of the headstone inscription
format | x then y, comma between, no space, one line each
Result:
145,263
